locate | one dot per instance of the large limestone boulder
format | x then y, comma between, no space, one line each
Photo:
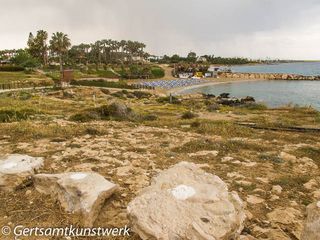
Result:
82,193
312,225
17,170
184,202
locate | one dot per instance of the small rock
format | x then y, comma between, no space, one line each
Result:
78,192
316,194
312,184
274,198
254,199
276,189
28,192
277,234
227,159
288,157
284,215
294,204
17,170
203,153
263,180
244,183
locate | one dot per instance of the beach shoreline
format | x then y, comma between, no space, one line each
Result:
214,81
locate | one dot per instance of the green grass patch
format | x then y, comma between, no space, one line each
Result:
290,182
310,152
22,77
224,147
15,115
102,83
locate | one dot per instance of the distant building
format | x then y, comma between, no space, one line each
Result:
201,59
185,75
154,58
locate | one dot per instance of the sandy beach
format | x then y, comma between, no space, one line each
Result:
213,81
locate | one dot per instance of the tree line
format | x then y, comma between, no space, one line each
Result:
44,51
209,59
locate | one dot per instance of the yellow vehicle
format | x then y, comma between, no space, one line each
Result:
198,74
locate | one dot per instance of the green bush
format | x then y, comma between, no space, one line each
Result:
119,94
213,107
157,72
114,111
106,74
189,115
102,83
105,91
141,94
11,68
85,117
14,115
254,106
25,96
150,117
174,99
25,60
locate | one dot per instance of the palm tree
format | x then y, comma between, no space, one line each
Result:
59,44
42,37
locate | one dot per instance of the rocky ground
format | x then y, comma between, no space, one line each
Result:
276,173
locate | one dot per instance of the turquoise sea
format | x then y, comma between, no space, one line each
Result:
273,93
301,68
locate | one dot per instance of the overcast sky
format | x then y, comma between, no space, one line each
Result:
287,29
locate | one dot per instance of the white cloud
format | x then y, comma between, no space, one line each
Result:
250,28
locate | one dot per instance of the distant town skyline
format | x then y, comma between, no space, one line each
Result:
286,29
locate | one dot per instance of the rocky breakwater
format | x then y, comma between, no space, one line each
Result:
268,76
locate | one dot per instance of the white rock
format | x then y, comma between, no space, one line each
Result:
227,159
274,198
254,199
311,229
184,202
81,193
263,180
316,194
284,215
17,169
311,184
203,153
276,189
288,157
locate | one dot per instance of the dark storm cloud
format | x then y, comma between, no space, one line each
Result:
253,28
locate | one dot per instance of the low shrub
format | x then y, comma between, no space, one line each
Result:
254,106
141,94
189,115
119,94
157,72
174,100
10,68
114,111
213,107
102,83
105,91
15,115
84,117
24,96
150,117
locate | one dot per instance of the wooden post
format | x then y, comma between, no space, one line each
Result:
94,99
